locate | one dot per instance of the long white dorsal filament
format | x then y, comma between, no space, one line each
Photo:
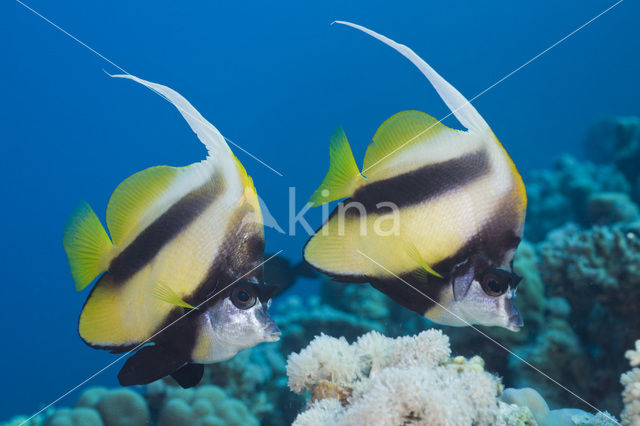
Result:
206,132
458,104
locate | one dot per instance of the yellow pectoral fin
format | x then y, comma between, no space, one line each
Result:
166,294
343,176
87,245
133,197
414,254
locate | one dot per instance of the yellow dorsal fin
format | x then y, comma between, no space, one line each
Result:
249,192
399,132
343,176
87,245
133,197
166,294
414,254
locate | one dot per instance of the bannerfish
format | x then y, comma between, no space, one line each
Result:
181,273
435,217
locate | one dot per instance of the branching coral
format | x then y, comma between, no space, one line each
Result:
631,394
597,272
605,259
634,355
564,194
408,380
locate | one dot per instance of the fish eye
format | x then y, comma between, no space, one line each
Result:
495,283
243,296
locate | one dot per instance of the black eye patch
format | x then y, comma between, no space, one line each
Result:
495,281
266,292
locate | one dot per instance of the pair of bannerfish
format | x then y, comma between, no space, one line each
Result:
182,271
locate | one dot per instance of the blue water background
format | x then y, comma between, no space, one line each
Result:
275,78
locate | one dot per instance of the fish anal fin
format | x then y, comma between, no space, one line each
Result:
343,176
87,244
102,318
117,315
132,198
149,364
166,294
399,132
189,375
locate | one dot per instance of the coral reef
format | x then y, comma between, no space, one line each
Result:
564,194
581,289
531,399
161,404
558,342
206,405
585,193
394,381
413,380
96,406
617,141
257,377
597,272
75,417
116,407
579,299
631,394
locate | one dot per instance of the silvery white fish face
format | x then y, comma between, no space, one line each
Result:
487,297
240,321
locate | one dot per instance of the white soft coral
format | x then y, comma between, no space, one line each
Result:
631,394
325,358
394,381
634,355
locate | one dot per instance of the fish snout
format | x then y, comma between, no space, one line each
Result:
272,332
514,319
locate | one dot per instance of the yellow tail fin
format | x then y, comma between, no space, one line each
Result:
87,244
343,176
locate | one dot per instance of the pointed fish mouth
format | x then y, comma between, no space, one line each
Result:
515,322
514,319
272,332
